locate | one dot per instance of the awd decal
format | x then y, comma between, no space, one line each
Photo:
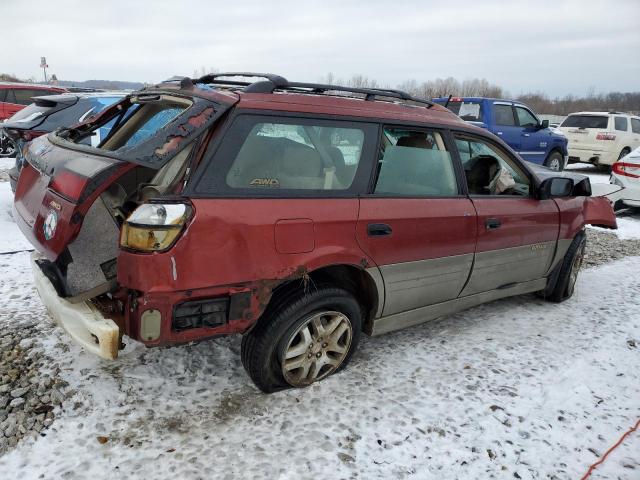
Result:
265,182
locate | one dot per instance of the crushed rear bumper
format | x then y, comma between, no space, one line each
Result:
83,321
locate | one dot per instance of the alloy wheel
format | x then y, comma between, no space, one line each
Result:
316,348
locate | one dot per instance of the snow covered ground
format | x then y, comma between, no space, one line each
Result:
519,388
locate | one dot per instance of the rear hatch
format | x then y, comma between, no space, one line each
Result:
587,131
71,198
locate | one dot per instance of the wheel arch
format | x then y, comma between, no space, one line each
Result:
365,284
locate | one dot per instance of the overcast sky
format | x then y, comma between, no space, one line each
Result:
557,47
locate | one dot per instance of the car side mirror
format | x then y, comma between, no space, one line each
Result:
555,187
544,124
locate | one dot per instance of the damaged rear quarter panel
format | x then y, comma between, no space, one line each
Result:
229,246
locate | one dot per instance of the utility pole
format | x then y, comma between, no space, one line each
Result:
44,66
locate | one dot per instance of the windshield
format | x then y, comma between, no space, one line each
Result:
586,121
470,111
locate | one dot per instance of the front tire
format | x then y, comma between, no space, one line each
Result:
555,161
569,269
310,337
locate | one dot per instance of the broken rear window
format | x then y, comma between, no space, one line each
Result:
147,128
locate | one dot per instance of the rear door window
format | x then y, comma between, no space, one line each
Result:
415,163
635,125
3,94
504,115
263,155
621,124
586,121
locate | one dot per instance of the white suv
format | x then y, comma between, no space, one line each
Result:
601,138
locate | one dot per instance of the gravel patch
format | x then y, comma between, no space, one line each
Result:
604,247
28,395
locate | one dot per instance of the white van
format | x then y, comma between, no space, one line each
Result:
601,138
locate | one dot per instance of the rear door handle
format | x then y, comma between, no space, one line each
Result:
378,229
492,223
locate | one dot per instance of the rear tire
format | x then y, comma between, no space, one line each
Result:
555,161
569,269
294,345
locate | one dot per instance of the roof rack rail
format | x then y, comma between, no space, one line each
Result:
276,82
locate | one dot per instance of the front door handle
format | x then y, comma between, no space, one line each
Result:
378,229
492,223
526,135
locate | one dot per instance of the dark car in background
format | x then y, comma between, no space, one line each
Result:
15,96
49,113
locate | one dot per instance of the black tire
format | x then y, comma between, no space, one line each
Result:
624,152
555,161
8,147
263,348
565,278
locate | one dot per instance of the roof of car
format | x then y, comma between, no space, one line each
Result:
602,113
476,99
30,85
278,94
61,97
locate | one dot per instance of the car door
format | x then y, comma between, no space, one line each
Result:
504,124
534,140
517,234
417,224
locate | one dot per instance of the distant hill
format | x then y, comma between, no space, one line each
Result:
103,84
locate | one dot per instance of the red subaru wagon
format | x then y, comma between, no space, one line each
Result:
298,215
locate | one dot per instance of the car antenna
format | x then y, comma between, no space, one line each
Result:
448,100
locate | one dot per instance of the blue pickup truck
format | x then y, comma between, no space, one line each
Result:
516,124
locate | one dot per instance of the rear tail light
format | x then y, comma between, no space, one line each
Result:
154,227
605,136
626,169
